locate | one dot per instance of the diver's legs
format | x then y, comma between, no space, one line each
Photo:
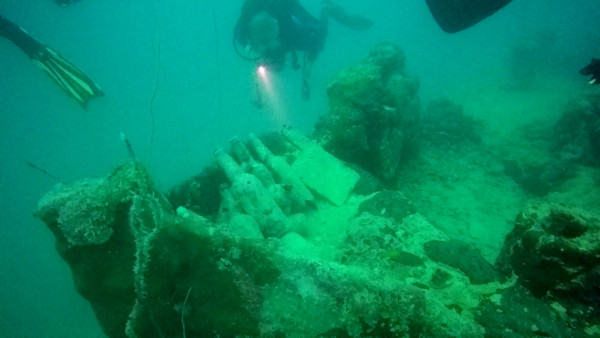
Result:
331,9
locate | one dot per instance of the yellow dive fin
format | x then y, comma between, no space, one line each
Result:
70,78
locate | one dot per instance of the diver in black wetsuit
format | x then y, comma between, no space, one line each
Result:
268,30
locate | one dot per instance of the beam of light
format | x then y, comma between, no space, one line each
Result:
264,79
262,72
270,95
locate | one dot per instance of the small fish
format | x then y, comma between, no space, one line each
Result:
404,258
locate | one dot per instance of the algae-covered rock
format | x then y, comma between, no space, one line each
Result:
394,250
558,153
373,112
516,313
464,257
388,203
444,124
85,212
555,252
576,134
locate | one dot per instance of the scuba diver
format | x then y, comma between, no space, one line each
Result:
267,30
72,80
592,69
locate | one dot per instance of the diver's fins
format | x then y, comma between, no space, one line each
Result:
70,78
356,22
456,15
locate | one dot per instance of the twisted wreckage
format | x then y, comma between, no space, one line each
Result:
282,238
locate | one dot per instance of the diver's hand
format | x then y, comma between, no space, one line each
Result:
592,69
305,90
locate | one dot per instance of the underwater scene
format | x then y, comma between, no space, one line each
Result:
300,168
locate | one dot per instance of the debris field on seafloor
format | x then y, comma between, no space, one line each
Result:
288,235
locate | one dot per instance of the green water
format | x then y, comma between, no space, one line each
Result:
174,85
